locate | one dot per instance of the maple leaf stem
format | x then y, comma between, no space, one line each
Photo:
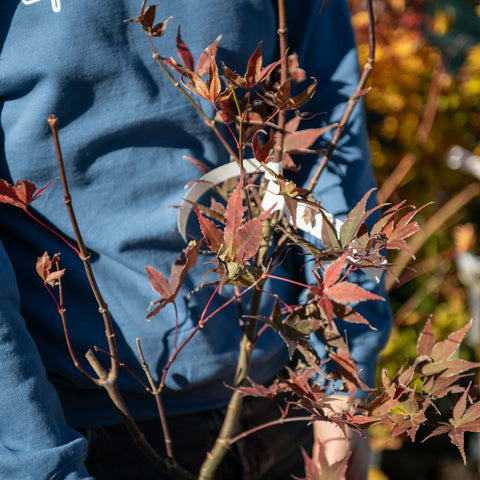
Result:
176,323
198,327
240,153
202,317
210,122
352,101
280,421
274,277
61,312
158,400
220,114
50,229
85,256
266,123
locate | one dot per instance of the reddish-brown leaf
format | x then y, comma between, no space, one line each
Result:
346,292
448,368
298,141
464,420
212,234
147,18
334,270
329,232
186,261
249,237
446,349
159,282
302,98
233,217
45,268
348,314
213,84
426,340
234,78
21,194
257,390
203,65
261,151
168,290
354,220
184,52
254,66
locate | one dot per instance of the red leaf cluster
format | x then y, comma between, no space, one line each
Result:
45,268
254,74
239,241
147,18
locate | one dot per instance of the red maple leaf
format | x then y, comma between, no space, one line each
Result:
299,141
332,292
435,358
464,420
204,60
168,290
21,195
254,74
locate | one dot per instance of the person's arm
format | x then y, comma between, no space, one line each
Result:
35,442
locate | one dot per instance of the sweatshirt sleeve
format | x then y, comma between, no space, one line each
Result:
327,51
35,442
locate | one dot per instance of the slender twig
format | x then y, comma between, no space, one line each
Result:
240,153
210,122
61,311
164,465
247,343
283,44
158,399
85,256
198,327
279,421
108,379
127,368
50,229
352,101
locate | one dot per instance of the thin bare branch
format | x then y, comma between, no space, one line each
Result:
85,256
352,101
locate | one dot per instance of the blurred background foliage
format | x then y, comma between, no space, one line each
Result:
424,99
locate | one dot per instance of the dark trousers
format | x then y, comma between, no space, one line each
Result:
273,453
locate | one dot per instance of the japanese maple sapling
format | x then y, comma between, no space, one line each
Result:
248,238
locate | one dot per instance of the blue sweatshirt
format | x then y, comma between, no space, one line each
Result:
124,132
